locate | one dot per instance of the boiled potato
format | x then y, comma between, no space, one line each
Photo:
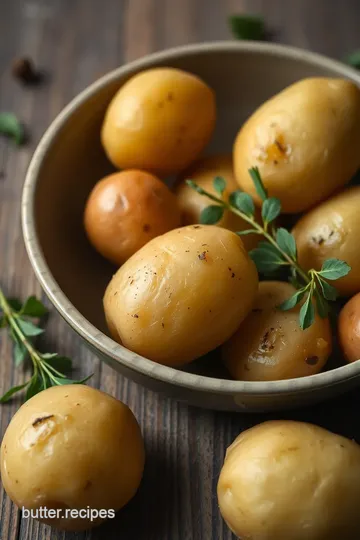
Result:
305,142
349,329
160,120
182,294
127,209
332,230
192,203
72,447
288,480
270,345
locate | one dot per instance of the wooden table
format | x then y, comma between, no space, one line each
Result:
76,41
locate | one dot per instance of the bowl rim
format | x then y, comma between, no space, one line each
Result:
97,339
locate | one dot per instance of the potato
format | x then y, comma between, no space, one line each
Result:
192,203
349,329
181,295
286,480
332,230
160,120
305,142
270,345
72,447
127,209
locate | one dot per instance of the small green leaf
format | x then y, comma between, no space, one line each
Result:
14,303
286,242
29,329
321,305
36,385
194,186
3,321
11,127
259,186
307,313
247,27
243,202
63,381
219,184
60,363
270,210
7,396
292,301
33,307
328,291
334,269
353,59
266,260
247,231
211,214
19,353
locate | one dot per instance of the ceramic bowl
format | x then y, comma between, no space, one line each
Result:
70,160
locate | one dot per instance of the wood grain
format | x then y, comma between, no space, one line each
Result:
76,41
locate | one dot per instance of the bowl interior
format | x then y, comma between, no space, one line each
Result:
74,159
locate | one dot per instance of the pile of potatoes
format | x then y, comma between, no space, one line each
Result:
184,289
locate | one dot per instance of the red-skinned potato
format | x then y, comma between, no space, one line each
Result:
349,329
126,210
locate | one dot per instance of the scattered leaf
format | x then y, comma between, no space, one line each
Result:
259,186
19,352
286,242
211,214
28,328
11,127
266,260
8,395
247,27
307,313
219,184
270,209
243,202
328,291
334,269
33,308
321,305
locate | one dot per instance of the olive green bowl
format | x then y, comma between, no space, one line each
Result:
69,161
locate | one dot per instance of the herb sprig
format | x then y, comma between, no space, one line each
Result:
48,368
278,249
11,127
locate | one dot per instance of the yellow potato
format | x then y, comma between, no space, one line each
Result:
305,142
270,345
127,209
192,203
181,295
72,447
288,480
332,230
160,120
349,329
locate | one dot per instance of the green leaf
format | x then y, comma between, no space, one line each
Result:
33,307
243,202
266,259
259,186
307,313
286,242
270,210
19,353
3,321
7,396
63,381
247,231
219,184
211,214
14,303
11,127
29,329
334,269
328,291
321,305
36,385
353,59
60,363
194,186
292,301
247,27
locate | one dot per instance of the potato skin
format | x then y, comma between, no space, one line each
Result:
285,480
160,120
72,447
192,203
332,230
127,209
305,142
349,329
269,345
181,295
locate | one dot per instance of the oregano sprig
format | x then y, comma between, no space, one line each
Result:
278,248
48,368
